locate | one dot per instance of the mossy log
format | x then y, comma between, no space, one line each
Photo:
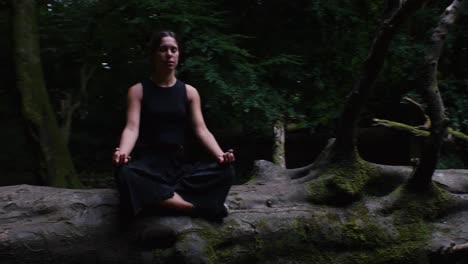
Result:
281,216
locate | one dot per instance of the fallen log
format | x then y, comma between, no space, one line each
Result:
271,221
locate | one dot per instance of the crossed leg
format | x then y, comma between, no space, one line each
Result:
178,204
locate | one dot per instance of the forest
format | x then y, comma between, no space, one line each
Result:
348,120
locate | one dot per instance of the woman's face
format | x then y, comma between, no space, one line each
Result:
167,55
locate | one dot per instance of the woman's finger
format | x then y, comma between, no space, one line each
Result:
115,158
229,157
122,159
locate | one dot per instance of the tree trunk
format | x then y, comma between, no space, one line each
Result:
423,173
74,100
279,151
346,131
68,107
36,108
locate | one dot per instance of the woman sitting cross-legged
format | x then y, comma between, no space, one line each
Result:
160,109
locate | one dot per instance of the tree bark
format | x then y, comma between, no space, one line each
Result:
279,151
55,157
422,176
346,131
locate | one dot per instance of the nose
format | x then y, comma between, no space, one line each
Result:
170,53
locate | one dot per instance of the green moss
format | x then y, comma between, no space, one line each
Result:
362,241
427,205
360,231
374,243
221,249
355,237
341,183
410,211
458,134
403,127
278,154
299,227
354,231
262,225
332,217
415,131
408,247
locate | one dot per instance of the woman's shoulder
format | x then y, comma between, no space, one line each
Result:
182,83
136,91
191,91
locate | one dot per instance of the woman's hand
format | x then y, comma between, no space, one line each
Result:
120,158
227,157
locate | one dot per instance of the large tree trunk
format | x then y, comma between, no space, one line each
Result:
55,157
430,90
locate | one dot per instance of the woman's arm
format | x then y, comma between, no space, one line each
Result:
131,130
202,132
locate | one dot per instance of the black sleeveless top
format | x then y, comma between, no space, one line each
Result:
164,114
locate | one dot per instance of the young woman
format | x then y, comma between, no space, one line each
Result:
160,109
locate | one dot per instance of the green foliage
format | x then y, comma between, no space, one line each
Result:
299,60
456,101
115,32
450,159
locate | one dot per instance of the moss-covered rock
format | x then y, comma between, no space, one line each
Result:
342,182
409,205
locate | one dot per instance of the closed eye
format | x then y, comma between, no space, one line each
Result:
164,48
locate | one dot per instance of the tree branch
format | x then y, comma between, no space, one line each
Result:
346,132
415,130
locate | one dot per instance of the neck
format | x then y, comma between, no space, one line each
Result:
164,79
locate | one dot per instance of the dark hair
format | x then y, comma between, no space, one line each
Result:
155,42
158,36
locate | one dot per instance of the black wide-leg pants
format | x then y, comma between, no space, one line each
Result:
156,175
